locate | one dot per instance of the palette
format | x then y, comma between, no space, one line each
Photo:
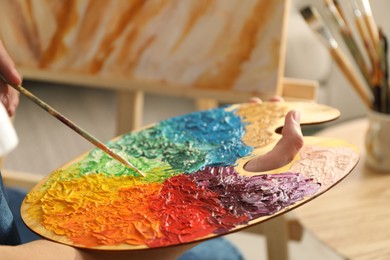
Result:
195,187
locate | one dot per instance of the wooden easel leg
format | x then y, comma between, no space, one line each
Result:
206,103
276,233
129,110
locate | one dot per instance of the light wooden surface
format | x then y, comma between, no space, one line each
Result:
130,108
300,89
354,217
20,180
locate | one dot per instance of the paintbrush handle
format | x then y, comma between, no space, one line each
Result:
356,55
347,68
372,29
370,22
346,33
72,125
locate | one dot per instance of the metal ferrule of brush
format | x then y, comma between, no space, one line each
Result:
312,17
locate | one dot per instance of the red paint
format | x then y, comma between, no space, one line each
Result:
187,212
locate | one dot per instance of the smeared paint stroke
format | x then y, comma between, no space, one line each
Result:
191,189
258,195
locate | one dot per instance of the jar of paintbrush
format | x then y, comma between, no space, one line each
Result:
371,63
377,141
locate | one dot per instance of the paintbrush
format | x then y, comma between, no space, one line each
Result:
315,22
72,125
370,22
340,10
370,37
348,38
361,25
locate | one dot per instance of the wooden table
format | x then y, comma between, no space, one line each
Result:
354,217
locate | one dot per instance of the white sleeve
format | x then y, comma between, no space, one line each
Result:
8,137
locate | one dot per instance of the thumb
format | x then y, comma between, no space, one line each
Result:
285,149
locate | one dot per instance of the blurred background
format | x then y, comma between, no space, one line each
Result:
45,144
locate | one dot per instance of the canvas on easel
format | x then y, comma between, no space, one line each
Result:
209,50
228,46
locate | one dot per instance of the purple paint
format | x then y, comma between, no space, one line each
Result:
255,196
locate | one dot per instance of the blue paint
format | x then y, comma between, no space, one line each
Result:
187,143
217,133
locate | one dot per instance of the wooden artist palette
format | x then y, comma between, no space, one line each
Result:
195,186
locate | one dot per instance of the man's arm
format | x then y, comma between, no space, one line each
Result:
41,249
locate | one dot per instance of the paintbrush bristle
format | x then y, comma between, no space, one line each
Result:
335,13
313,19
308,13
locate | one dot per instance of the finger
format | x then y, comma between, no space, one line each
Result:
276,99
255,100
9,97
273,99
7,67
285,149
12,101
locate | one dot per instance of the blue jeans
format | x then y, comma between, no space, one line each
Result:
214,249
